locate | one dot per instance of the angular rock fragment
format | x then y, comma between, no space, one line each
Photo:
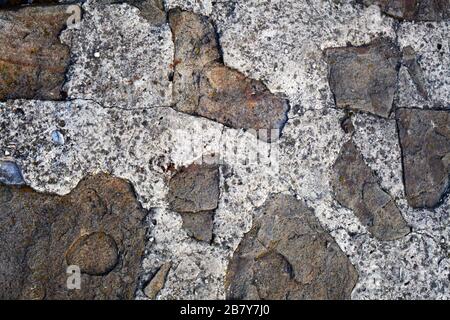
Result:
420,10
199,225
425,140
98,227
33,61
10,173
357,188
157,282
194,189
288,255
204,86
414,70
365,78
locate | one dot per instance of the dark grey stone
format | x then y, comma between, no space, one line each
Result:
288,255
356,187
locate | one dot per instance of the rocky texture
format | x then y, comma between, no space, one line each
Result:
204,86
425,140
356,187
199,225
130,59
99,227
10,173
365,78
157,282
429,41
151,10
194,192
420,10
33,61
410,60
288,255
194,188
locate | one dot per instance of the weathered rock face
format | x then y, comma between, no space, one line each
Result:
194,189
414,70
204,86
157,282
199,225
194,193
151,10
99,227
425,141
33,62
288,255
356,187
421,10
364,78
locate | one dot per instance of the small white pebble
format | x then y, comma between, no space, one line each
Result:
97,54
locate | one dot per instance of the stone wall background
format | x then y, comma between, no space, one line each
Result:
142,90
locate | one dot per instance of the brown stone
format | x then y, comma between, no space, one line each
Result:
204,86
194,189
41,235
288,255
365,78
33,61
420,10
199,225
357,188
158,281
425,141
95,254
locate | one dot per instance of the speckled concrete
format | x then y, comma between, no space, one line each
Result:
119,119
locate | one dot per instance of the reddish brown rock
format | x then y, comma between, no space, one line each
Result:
99,226
33,61
365,78
204,86
287,255
425,140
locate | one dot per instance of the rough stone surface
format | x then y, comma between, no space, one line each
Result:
133,131
194,189
365,78
204,86
130,58
33,61
157,282
102,262
420,10
357,188
199,225
288,255
425,140
98,226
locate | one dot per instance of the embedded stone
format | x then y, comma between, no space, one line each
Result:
365,78
425,141
419,10
41,235
357,188
287,255
204,86
199,225
33,61
194,188
10,173
155,285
